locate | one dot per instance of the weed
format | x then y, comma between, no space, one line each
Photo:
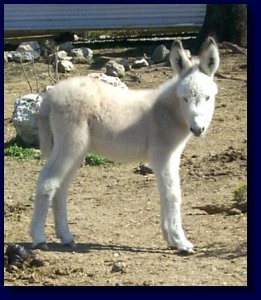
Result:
96,160
20,152
240,197
17,148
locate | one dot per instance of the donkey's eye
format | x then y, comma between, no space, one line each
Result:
185,99
207,98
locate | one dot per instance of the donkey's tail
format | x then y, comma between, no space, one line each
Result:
43,122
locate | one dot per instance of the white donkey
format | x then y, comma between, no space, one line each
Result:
81,114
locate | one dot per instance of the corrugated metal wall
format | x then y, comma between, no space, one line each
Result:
101,16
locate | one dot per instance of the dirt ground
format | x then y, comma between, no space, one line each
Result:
114,212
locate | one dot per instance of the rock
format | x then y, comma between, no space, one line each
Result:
115,81
5,57
65,66
81,55
25,52
125,63
118,267
67,46
140,63
160,54
63,55
150,61
76,37
114,69
24,117
29,46
18,56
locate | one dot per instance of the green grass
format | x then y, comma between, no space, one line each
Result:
92,159
17,151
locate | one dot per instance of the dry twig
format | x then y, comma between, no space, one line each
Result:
26,76
36,80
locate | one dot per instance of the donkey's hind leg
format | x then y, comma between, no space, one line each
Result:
59,205
52,185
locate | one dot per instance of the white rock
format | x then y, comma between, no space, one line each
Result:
63,55
140,63
114,69
25,116
118,267
65,66
76,37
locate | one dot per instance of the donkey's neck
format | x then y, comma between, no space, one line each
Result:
168,116
169,99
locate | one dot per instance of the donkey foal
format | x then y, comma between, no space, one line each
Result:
81,114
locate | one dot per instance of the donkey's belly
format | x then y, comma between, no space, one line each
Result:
125,145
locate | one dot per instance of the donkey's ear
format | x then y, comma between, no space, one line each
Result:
209,57
179,60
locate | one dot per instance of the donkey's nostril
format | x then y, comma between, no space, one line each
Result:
197,131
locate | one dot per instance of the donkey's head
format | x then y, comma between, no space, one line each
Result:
195,87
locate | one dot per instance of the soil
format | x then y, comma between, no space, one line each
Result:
114,210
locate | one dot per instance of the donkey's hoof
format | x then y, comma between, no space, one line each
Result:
42,246
189,251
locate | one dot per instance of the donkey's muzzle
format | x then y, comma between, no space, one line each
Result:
197,131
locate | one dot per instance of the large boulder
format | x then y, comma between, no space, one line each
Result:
25,116
18,56
25,52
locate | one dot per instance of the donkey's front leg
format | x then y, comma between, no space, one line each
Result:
170,196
